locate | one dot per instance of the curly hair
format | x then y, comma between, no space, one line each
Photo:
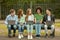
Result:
39,9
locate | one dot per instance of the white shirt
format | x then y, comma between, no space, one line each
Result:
31,18
49,18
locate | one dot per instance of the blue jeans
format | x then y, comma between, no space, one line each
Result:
38,28
20,28
29,28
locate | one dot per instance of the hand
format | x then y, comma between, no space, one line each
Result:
45,22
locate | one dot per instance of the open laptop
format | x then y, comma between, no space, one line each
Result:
49,22
11,22
30,22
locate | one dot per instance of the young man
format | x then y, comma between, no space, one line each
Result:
49,21
10,17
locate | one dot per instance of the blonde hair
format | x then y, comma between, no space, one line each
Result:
27,13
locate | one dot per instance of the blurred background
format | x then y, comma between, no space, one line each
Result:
6,5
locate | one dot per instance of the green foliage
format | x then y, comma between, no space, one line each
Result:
24,4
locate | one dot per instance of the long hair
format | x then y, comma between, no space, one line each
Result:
20,13
27,13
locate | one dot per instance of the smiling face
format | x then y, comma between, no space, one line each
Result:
38,11
29,11
48,12
12,11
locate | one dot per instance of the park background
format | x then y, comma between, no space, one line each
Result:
6,5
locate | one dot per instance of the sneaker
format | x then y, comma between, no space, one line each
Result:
31,37
13,35
22,35
37,35
9,35
46,35
19,36
51,35
28,36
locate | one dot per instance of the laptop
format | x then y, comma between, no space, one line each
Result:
49,22
11,22
30,22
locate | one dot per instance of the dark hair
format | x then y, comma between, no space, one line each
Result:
49,9
39,9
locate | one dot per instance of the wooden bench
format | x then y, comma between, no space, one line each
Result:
42,28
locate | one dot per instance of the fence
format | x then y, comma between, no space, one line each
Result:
54,6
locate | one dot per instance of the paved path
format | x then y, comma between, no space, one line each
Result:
41,38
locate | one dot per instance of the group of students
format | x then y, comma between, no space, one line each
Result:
29,20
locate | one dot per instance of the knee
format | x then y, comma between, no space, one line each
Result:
9,27
52,26
14,26
45,26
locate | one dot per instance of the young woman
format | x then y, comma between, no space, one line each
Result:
49,20
21,18
38,21
29,21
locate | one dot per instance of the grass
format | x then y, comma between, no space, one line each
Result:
57,24
3,30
